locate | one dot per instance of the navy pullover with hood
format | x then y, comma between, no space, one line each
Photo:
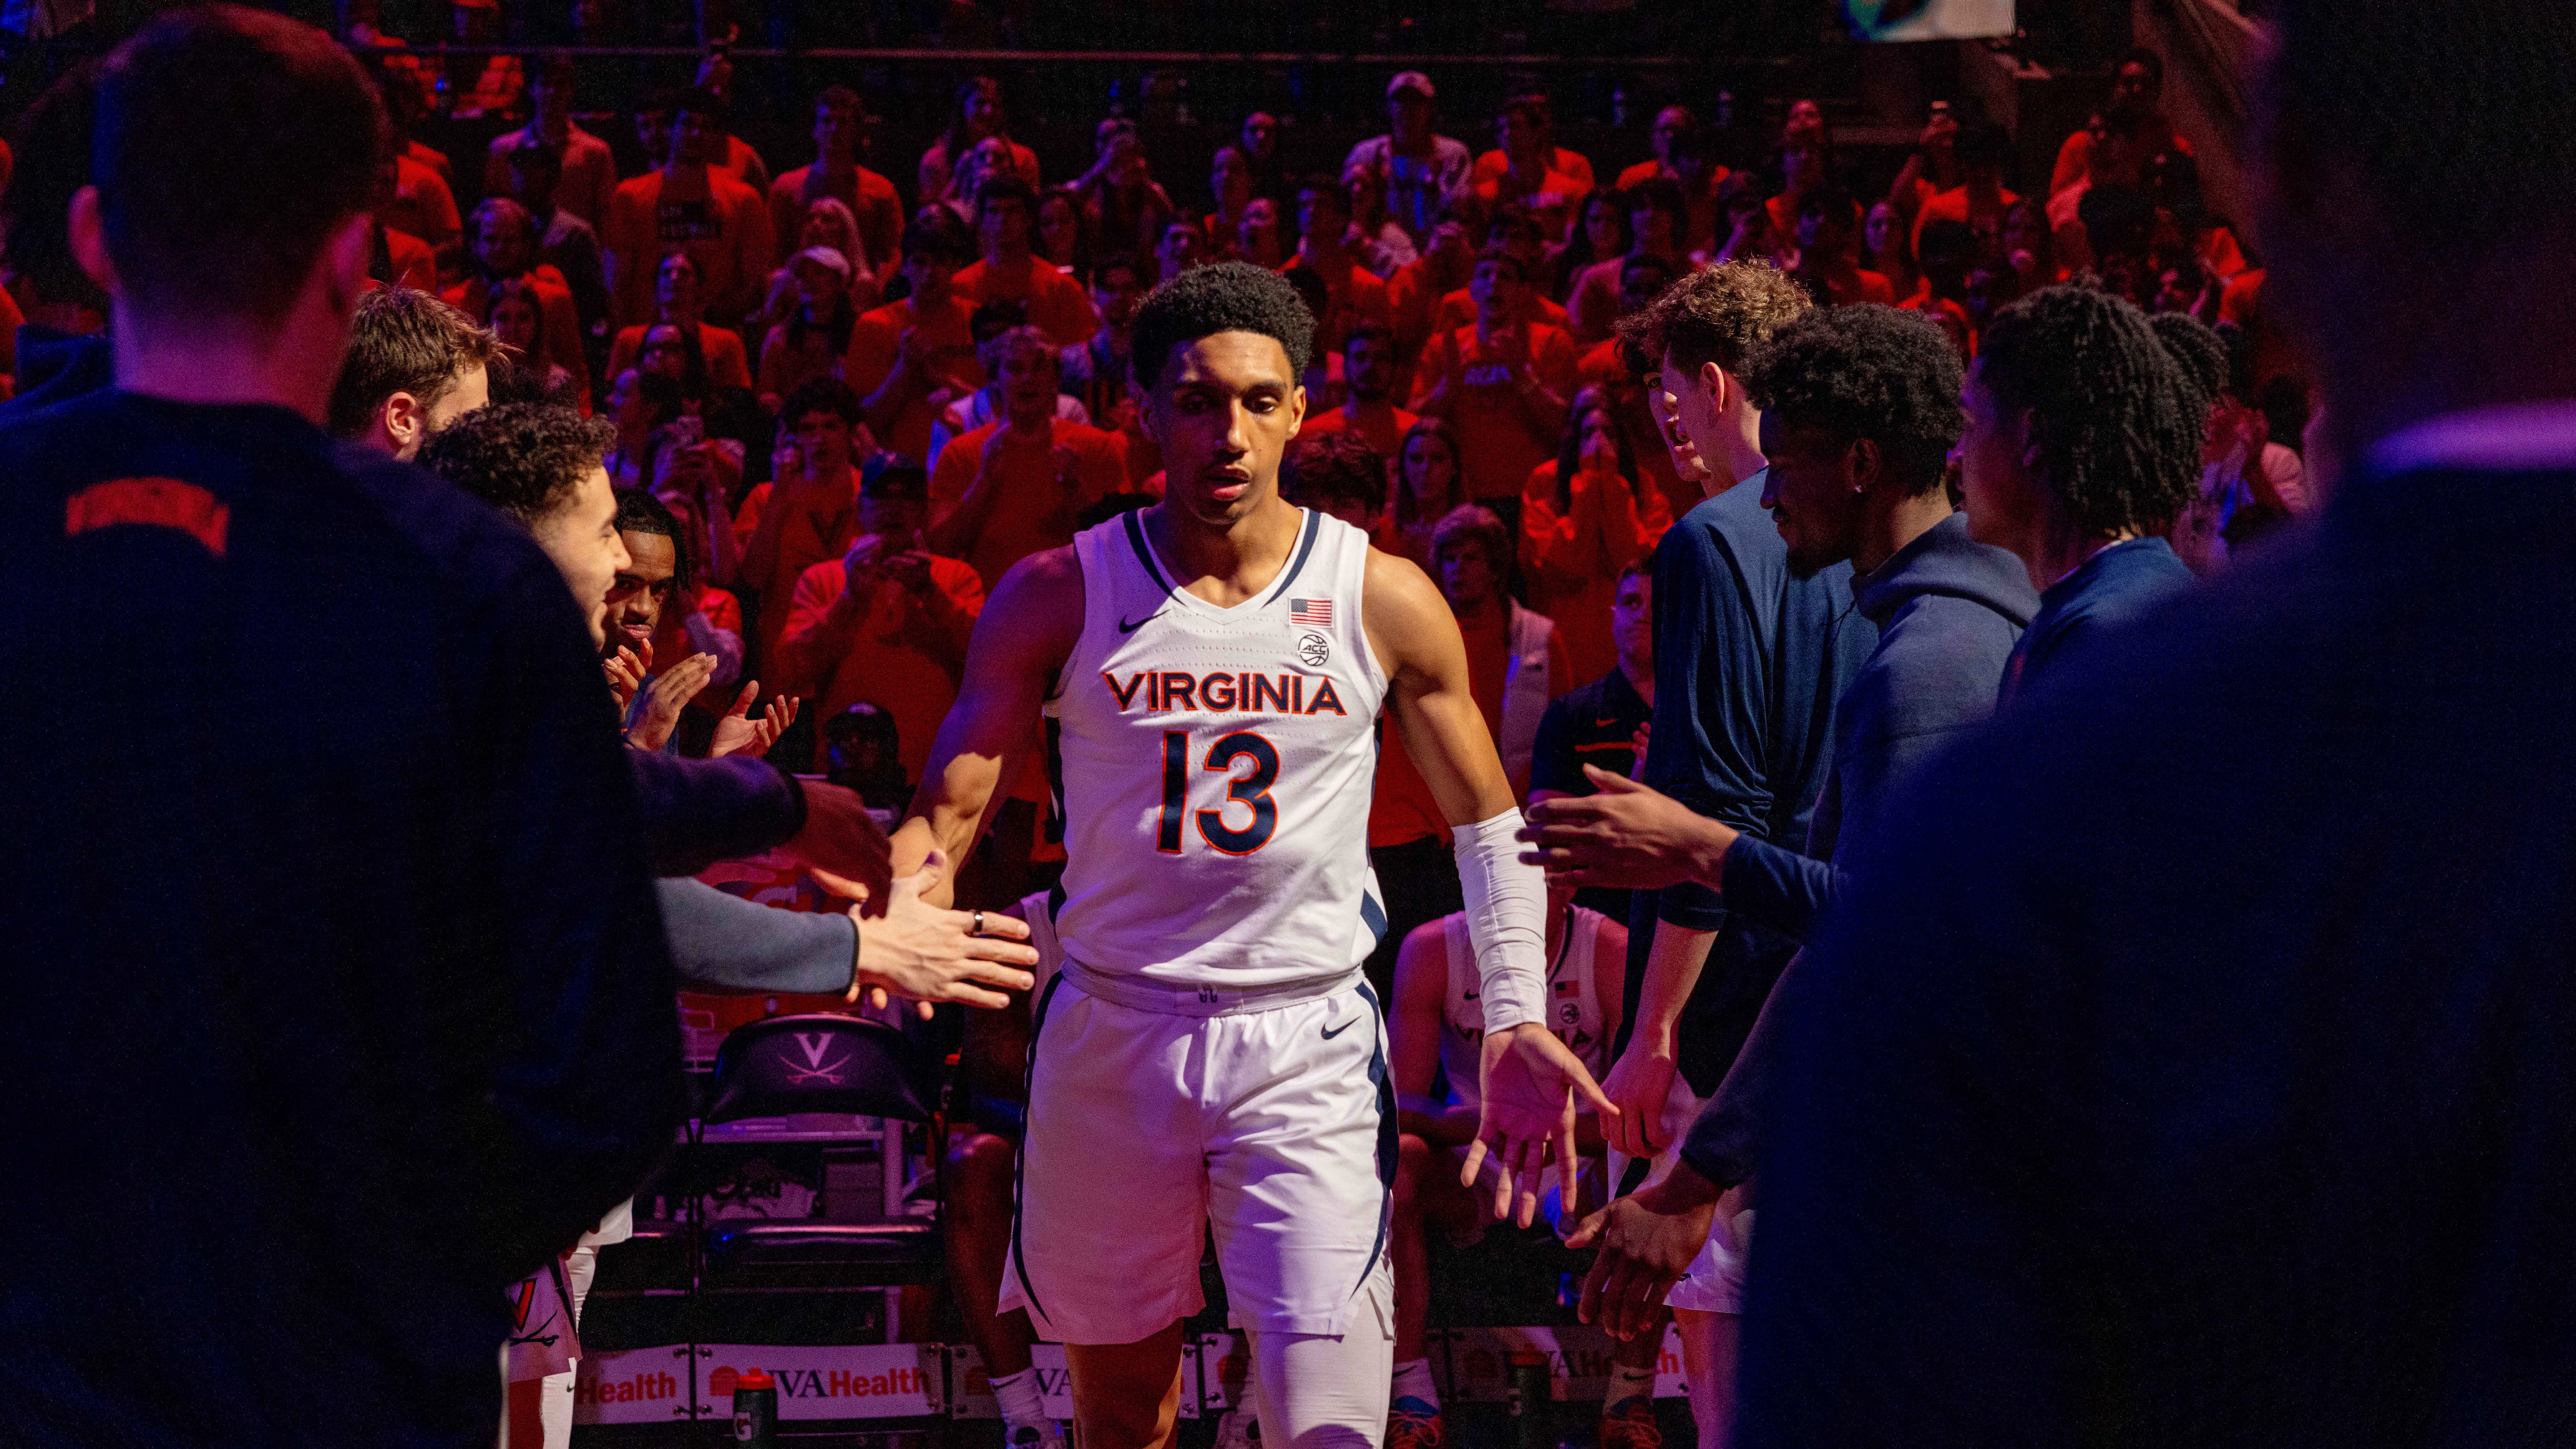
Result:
1948,610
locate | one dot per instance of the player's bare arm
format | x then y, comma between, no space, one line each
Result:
1530,1078
1019,646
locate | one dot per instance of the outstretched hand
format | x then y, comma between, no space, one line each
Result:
924,954
1531,1082
739,733
1648,1240
841,837
1625,836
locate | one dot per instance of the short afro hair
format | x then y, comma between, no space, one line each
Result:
1865,371
525,459
1225,297
1716,314
2118,421
1337,467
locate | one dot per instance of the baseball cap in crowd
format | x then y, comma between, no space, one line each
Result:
828,258
890,475
1414,79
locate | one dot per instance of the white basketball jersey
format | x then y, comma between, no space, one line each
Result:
1573,1005
1213,769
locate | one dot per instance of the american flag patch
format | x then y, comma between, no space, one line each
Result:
1318,612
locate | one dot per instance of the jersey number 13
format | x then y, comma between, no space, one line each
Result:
1250,789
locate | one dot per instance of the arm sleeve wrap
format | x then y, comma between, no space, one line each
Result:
1506,921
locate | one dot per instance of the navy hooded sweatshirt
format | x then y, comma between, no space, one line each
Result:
1948,610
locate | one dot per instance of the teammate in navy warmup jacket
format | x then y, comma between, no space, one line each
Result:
342,997
2190,1060
2082,446
1859,414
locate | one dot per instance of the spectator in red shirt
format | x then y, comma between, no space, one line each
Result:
840,134
1586,515
1064,239
815,336
679,302
979,117
1504,384
1825,266
1981,198
589,173
1655,218
811,512
886,622
1540,114
690,204
1530,174
2133,128
1368,377
1513,229
505,251
1324,248
1126,208
1006,211
1011,488
909,358
1642,278
1887,248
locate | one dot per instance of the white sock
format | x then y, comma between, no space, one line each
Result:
1021,1403
1629,1383
1413,1381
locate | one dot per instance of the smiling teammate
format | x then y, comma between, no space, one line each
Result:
1211,669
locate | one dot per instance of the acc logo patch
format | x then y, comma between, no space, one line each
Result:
1314,649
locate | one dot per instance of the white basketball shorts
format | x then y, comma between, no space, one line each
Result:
1273,1124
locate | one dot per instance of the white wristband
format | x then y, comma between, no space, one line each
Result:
1506,921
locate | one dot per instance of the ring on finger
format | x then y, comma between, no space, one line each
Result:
976,927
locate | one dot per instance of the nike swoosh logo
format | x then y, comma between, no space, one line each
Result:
1605,722
1331,1032
1126,628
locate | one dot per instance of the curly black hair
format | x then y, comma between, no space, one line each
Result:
1226,297
2117,419
525,459
1865,371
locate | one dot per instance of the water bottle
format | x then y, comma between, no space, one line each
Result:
1527,1400
755,1409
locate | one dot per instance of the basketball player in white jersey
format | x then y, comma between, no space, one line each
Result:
1435,1030
1210,671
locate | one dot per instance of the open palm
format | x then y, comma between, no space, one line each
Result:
1531,1082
